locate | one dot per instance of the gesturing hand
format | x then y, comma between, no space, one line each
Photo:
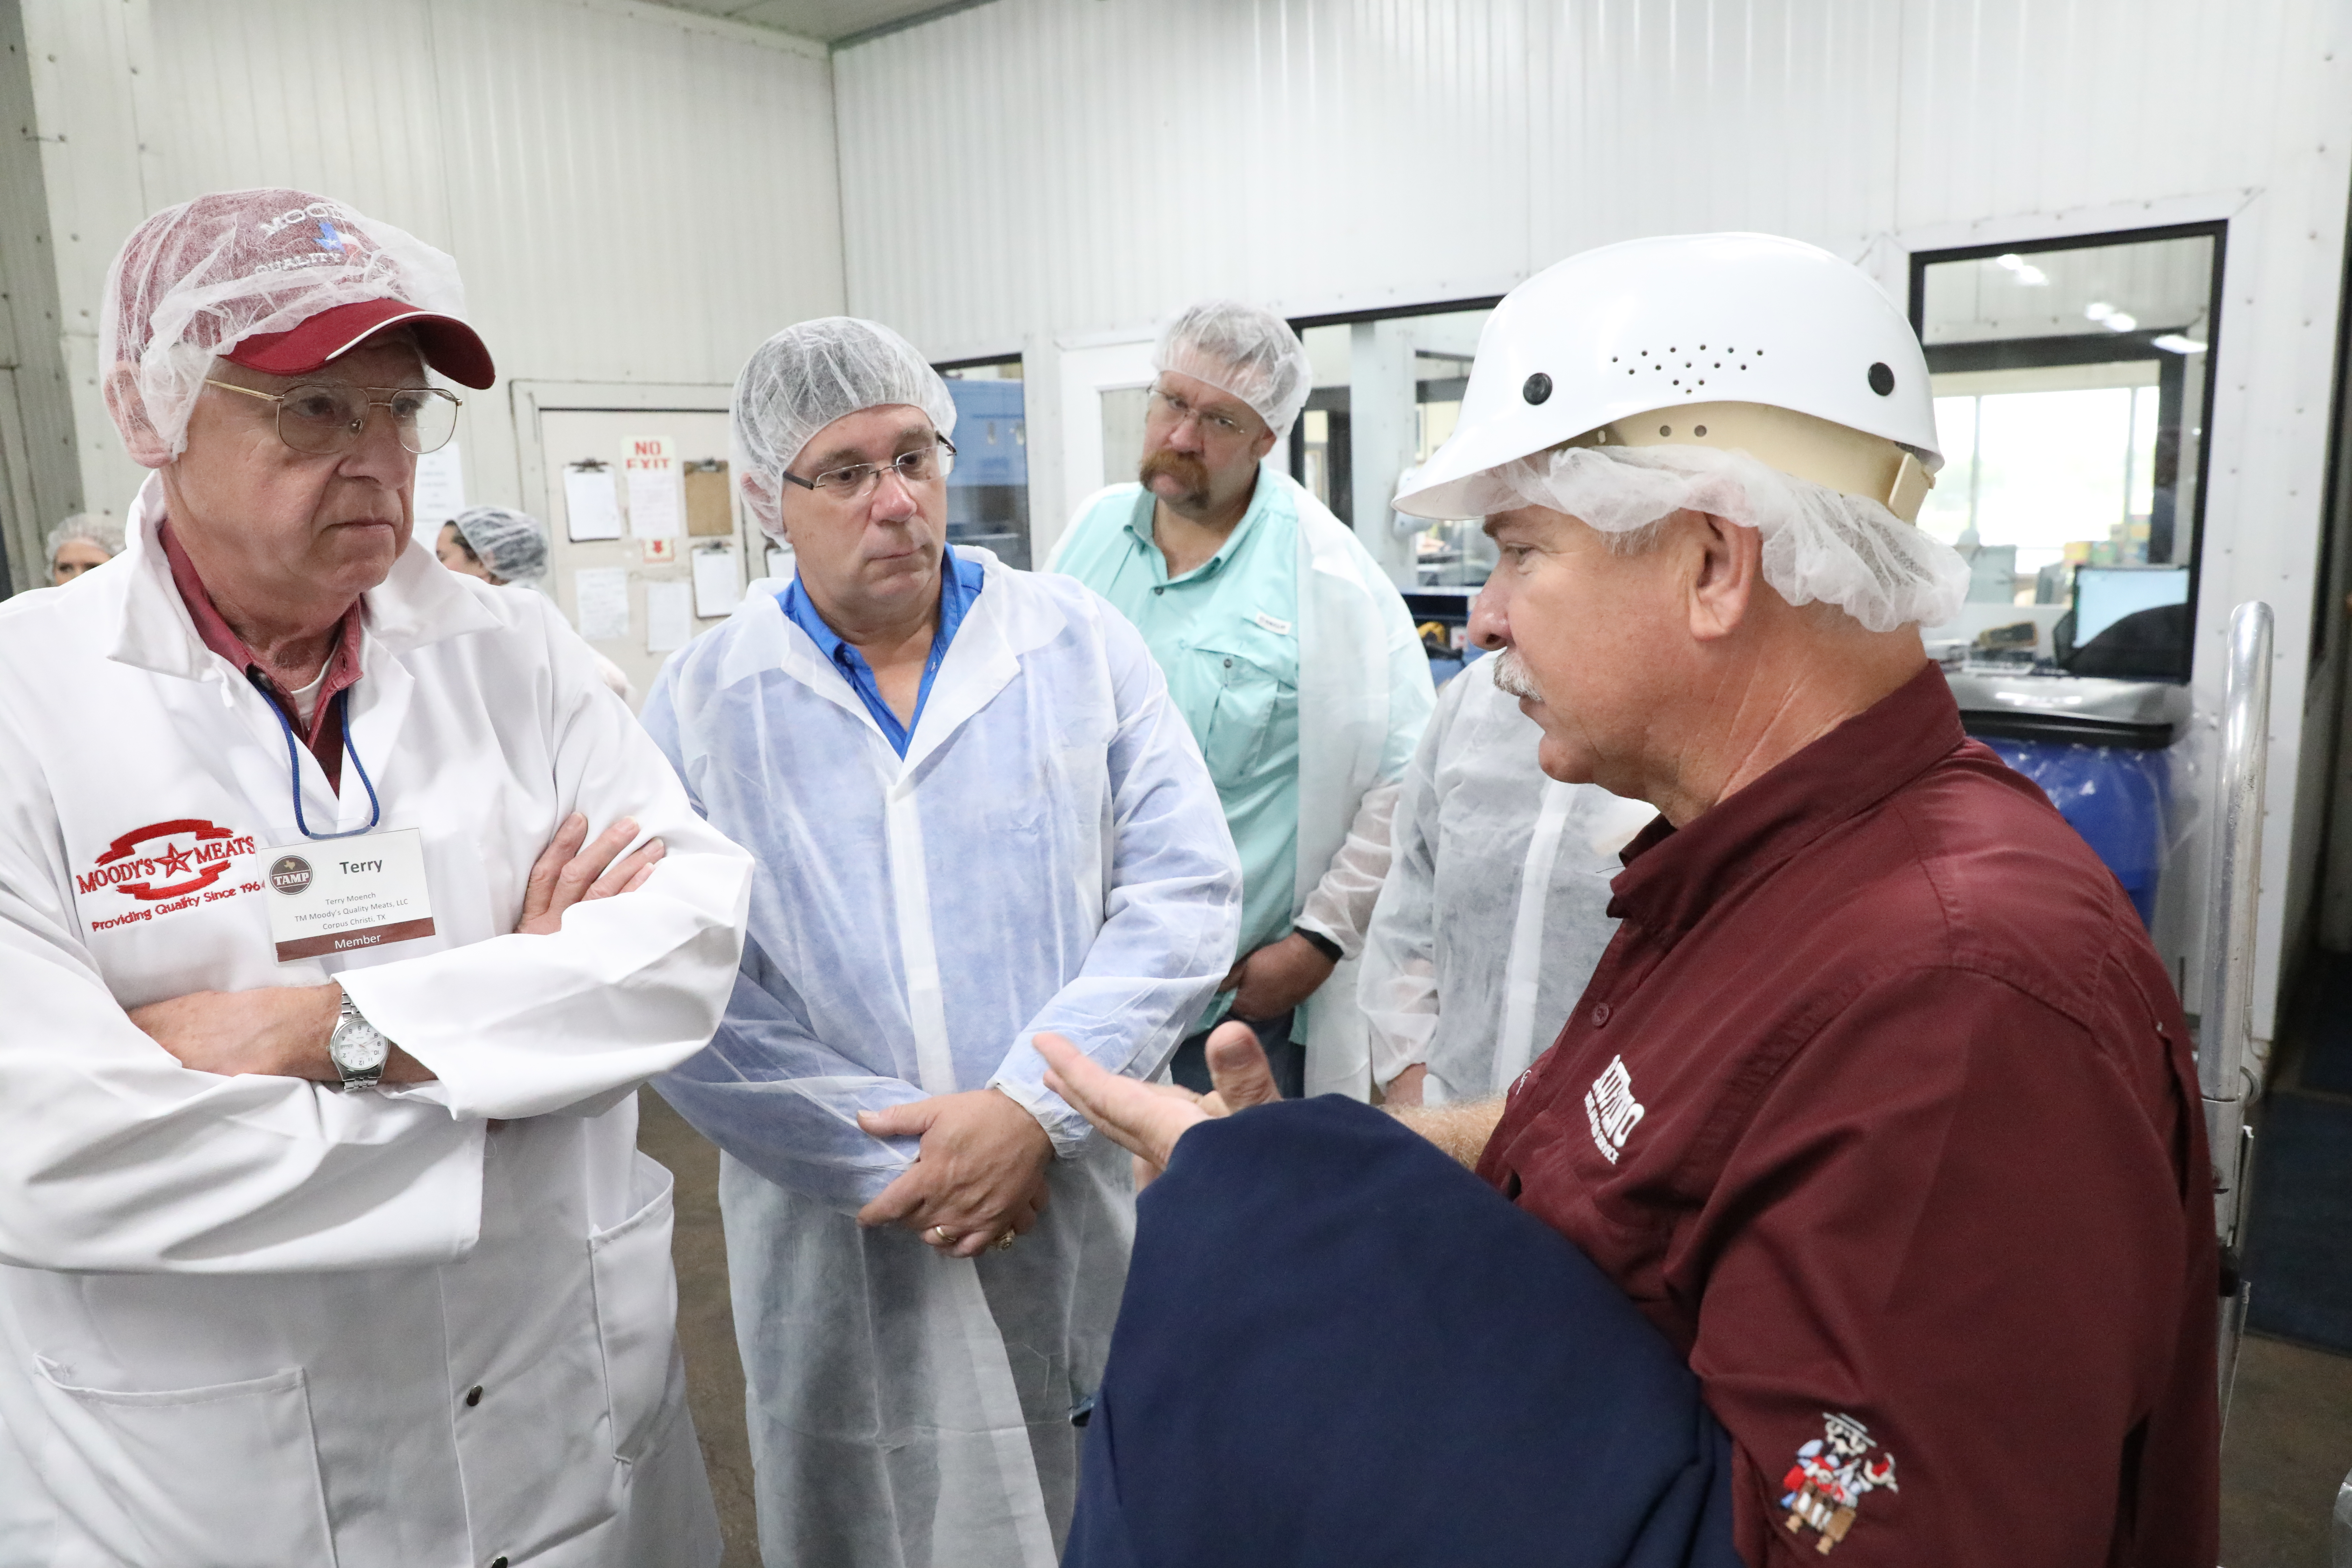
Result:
1147,1119
566,874
980,1176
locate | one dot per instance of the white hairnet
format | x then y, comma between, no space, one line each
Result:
807,376
88,526
1842,550
1248,352
512,544
196,280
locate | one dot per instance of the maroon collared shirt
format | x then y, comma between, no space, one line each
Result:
323,734
1881,1106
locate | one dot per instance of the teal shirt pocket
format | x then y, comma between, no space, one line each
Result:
1254,675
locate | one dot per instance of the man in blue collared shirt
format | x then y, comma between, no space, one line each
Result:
974,816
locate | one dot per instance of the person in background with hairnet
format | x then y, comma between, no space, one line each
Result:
976,816
1880,1106
1292,657
81,543
1496,905
500,545
323,1233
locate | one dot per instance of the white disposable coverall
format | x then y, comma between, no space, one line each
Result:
1049,854
1497,906
1364,694
239,1317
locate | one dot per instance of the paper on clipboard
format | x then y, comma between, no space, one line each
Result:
591,503
717,590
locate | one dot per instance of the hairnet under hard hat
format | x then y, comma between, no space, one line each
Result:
1818,544
807,376
1248,352
196,280
88,528
511,544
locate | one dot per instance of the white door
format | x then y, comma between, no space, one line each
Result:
572,437
1102,426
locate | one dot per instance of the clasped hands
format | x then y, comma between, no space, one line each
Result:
282,1030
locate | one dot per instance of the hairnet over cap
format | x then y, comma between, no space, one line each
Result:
280,279
1246,350
511,544
807,376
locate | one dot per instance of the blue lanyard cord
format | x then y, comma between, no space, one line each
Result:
294,761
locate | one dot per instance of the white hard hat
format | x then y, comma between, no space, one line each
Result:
1731,340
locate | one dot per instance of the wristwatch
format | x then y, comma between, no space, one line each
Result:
1323,944
358,1048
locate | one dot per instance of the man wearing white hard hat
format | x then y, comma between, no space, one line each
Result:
324,1234
1880,1105
976,816
1292,657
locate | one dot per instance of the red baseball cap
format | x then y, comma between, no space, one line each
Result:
450,346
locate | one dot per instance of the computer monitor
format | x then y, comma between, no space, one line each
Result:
2106,594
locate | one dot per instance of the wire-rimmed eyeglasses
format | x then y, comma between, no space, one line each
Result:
320,418
1177,411
922,465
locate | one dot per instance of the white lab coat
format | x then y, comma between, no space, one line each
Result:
1364,694
1497,906
239,1317
1050,853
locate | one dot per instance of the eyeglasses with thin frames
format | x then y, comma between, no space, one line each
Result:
318,418
920,466
1177,411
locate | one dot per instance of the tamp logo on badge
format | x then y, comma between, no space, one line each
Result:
290,873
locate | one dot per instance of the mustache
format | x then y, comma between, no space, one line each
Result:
1511,676
1186,470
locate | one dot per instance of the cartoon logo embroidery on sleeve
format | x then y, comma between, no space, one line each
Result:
1831,1475
1612,1108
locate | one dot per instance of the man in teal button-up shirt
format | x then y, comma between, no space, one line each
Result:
1207,555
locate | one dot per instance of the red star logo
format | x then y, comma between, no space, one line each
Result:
175,861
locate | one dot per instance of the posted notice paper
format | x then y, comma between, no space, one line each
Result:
602,595
669,616
656,497
439,494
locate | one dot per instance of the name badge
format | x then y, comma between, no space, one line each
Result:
340,895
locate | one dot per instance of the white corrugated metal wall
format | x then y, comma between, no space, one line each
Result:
1034,174
634,194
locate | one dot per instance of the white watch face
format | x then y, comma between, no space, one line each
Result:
356,1047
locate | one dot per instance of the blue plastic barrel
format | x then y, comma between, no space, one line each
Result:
2116,797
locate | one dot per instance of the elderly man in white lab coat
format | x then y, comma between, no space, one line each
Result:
977,816
1497,906
323,1237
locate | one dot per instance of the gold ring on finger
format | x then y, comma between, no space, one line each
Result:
1004,1242
947,1236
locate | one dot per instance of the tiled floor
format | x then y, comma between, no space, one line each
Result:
2289,1443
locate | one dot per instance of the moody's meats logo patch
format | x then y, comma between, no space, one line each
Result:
165,866
1612,1108
1831,1475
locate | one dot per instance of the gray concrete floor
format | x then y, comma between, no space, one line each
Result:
706,1323
2288,1445
2289,1442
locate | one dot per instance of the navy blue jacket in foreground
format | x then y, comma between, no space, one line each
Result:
1338,1347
